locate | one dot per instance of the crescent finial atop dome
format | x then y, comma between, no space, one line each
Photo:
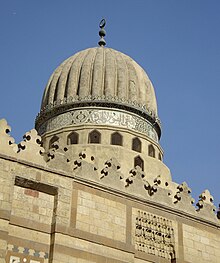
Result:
99,77
102,33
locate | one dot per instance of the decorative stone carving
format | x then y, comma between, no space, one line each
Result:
183,199
14,259
206,208
160,191
114,99
136,182
63,105
136,174
154,235
83,156
101,117
57,157
111,174
112,167
21,254
7,145
30,148
159,184
85,165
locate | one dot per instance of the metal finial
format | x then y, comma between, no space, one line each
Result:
102,33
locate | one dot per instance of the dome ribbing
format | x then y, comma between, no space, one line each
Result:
99,75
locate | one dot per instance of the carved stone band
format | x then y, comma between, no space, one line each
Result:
100,116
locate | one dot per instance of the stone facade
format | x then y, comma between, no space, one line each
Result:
101,216
72,215
90,185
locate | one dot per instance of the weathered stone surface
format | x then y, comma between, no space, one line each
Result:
85,165
206,208
57,157
183,199
137,183
200,245
101,216
7,145
160,191
30,149
111,174
85,85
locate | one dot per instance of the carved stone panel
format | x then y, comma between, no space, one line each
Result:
154,235
100,117
19,254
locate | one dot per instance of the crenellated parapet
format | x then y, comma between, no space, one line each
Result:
183,198
111,173
85,163
57,157
30,149
136,181
107,170
7,145
205,205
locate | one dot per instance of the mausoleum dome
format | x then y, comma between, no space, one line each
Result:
98,74
100,77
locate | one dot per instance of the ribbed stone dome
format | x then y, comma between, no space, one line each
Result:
99,76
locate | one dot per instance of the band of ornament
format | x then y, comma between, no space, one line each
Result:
18,254
100,117
98,99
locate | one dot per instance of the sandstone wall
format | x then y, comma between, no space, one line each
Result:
52,216
201,243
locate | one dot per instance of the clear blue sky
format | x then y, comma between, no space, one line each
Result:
176,42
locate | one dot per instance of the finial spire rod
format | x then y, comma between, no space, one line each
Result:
102,33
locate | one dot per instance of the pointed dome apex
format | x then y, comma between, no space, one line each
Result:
101,77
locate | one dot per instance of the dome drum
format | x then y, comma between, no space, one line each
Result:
53,111
104,116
